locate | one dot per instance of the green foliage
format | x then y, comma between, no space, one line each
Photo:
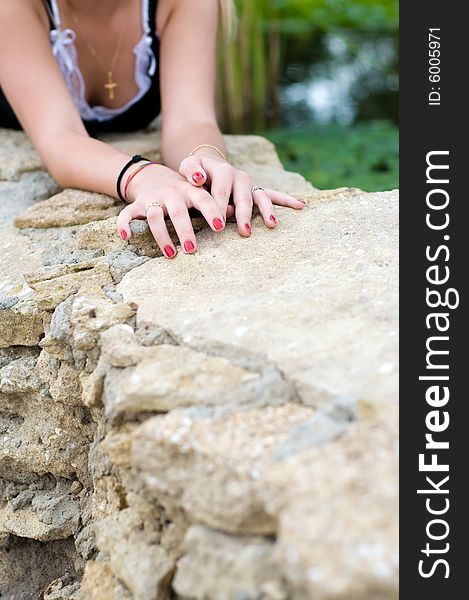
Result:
364,155
381,15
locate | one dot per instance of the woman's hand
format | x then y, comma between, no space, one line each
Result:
226,181
161,185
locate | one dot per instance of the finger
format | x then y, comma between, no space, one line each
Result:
179,215
156,222
230,212
243,202
191,168
281,199
265,206
131,211
221,185
203,202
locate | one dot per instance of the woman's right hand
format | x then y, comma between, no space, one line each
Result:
157,183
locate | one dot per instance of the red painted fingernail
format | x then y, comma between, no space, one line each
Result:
188,246
169,251
273,219
218,224
198,177
247,227
123,234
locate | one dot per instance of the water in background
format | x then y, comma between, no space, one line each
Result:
339,78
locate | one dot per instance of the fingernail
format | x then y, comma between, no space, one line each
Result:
218,224
169,251
247,227
198,177
273,219
188,246
123,234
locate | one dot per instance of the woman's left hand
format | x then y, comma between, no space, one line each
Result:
225,181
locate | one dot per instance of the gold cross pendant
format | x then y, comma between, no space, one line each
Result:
110,85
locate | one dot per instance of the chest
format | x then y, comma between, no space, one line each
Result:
106,50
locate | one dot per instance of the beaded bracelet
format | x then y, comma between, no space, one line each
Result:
135,159
211,146
135,172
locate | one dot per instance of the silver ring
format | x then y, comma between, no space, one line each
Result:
255,188
150,204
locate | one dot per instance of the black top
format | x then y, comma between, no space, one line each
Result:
137,116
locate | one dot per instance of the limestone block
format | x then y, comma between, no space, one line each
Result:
101,235
92,312
17,196
54,287
60,590
17,155
64,385
108,496
39,434
100,583
174,376
18,254
19,376
212,467
337,508
61,521
233,567
144,568
69,207
122,261
40,511
27,566
318,296
21,324
117,444
120,346
249,149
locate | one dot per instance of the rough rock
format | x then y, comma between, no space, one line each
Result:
21,323
311,292
336,507
28,567
167,377
100,583
70,207
214,466
144,568
234,567
215,427
59,284
17,155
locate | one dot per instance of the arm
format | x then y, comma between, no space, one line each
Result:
188,33
34,86
188,76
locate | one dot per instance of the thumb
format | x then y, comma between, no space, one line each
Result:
191,168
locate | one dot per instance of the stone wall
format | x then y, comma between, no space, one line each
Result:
220,426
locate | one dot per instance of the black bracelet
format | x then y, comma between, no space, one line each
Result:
135,159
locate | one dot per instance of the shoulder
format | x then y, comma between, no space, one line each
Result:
24,12
197,11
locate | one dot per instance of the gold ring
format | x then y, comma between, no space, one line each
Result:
150,204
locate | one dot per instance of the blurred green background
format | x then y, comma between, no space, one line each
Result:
320,79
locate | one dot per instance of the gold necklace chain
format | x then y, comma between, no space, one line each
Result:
111,85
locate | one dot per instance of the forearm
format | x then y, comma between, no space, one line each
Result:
79,161
181,138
